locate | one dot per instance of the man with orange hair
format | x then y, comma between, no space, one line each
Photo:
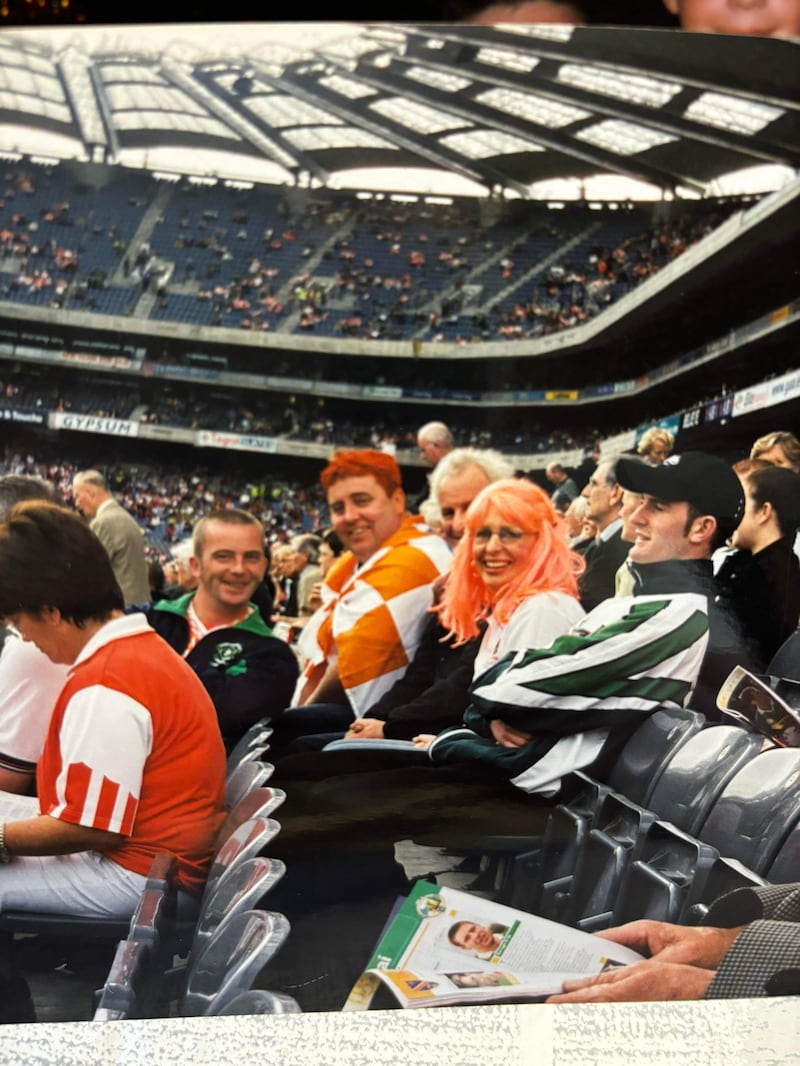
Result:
375,597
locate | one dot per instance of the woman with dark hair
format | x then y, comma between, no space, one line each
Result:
133,762
760,580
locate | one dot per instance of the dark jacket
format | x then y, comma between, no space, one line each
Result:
597,582
434,691
248,673
763,590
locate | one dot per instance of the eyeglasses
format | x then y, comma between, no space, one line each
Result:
506,536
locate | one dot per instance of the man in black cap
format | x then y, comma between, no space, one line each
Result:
691,504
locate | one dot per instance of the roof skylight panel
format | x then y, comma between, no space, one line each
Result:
438,79
122,72
732,113
33,105
508,59
148,97
483,144
13,56
624,138
311,138
279,110
347,87
638,89
29,84
416,116
540,109
165,120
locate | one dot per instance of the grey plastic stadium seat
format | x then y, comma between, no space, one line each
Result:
232,959
248,840
243,888
698,772
244,779
256,736
255,1001
757,810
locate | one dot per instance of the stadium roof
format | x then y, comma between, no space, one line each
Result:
511,109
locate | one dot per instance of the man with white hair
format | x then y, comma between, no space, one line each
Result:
434,441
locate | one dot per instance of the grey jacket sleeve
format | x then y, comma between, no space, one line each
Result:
764,960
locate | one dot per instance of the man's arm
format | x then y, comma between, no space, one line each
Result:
329,689
50,836
15,781
628,657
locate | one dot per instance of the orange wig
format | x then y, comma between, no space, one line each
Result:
363,462
551,566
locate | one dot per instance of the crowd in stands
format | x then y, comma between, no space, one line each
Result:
266,414
407,631
337,267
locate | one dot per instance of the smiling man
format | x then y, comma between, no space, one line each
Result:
247,671
362,640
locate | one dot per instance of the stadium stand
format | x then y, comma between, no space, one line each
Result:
207,343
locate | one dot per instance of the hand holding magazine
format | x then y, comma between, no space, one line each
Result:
762,704
445,947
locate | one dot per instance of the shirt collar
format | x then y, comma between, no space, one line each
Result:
130,625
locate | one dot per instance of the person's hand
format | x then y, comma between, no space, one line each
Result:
643,981
423,740
365,729
507,737
703,946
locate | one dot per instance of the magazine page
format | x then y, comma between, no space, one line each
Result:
445,946
749,699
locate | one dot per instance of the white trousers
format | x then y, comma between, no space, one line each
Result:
85,883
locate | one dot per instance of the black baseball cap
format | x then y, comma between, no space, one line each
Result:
703,480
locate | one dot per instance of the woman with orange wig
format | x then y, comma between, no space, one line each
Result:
512,568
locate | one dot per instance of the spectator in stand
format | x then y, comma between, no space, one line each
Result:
604,502
285,584
330,548
180,576
780,449
760,581
120,535
375,597
565,489
434,441
458,479
575,524
305,571
133,763
221,634
29,682
762,18
624,580
656,445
